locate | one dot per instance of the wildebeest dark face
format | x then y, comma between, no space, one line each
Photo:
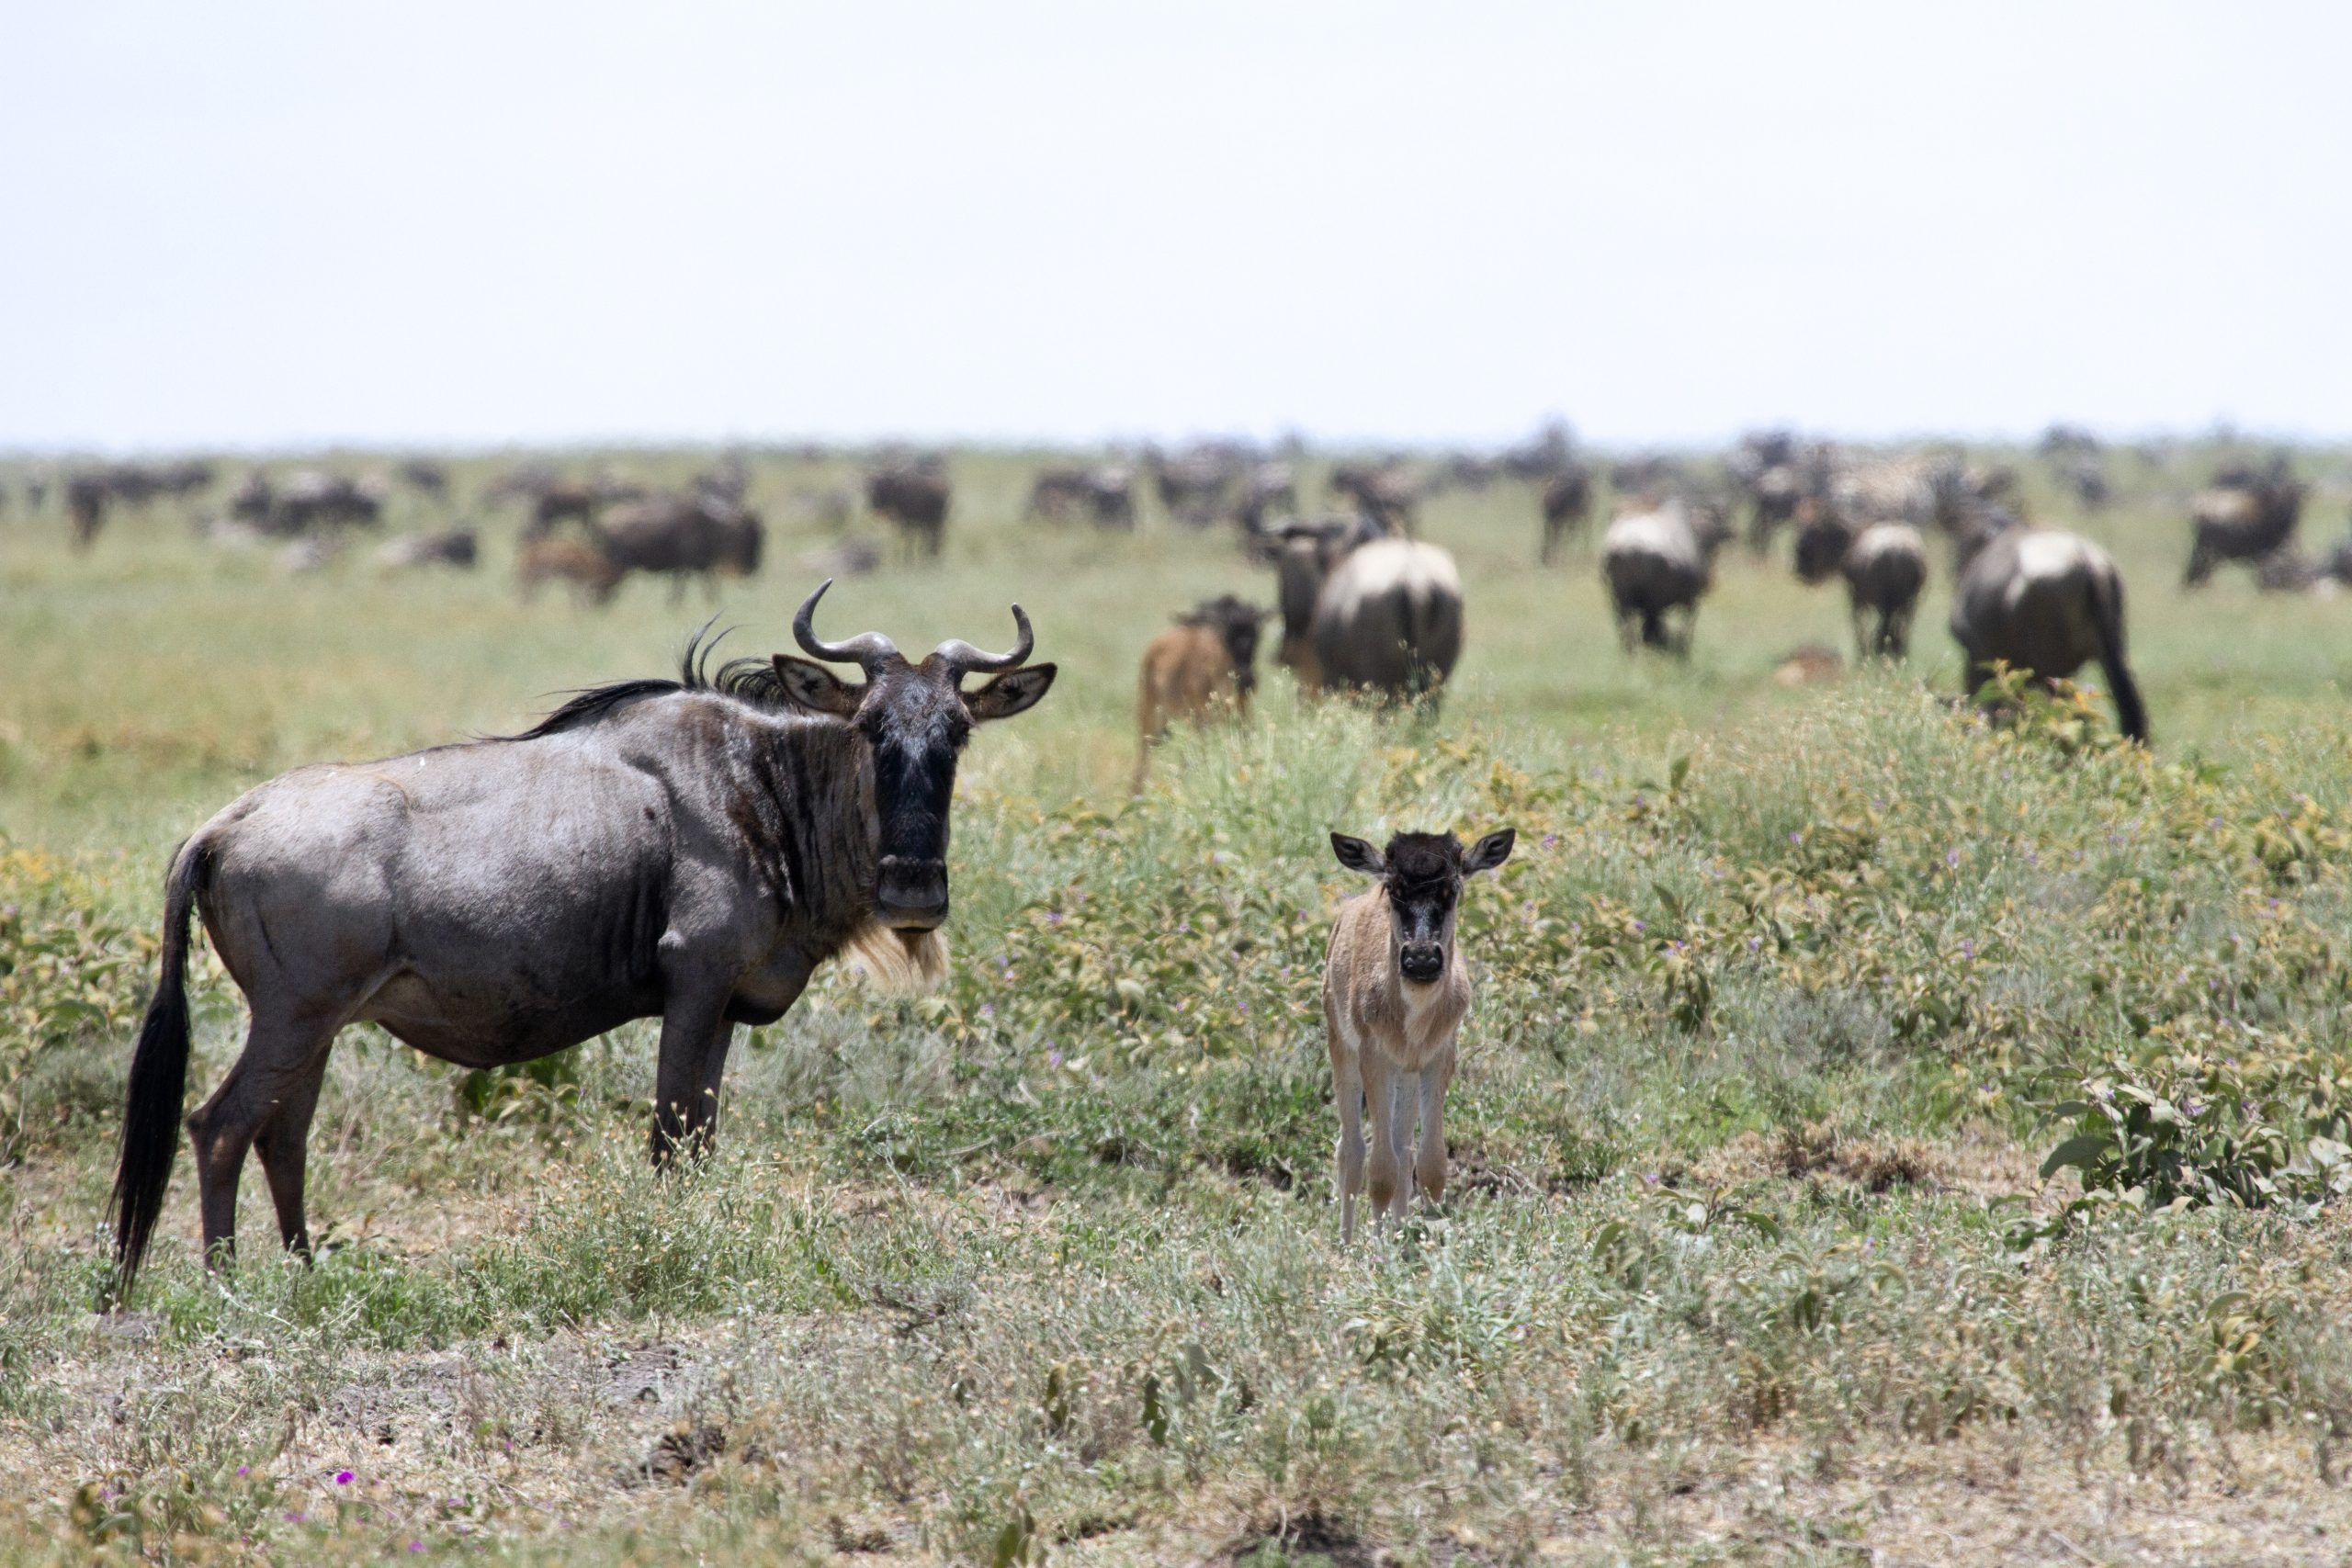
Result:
915,720
1236,624
1823,539
1422,875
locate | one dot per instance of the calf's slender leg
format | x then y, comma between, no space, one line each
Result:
1347,1090
1430,1167
1379,1093
1403,1087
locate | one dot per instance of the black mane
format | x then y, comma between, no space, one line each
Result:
752,680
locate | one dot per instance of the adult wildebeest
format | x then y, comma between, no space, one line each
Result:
1394,993
1193,485
86,506
914,497
682,536
1884,566
311,500
1207,661
1388,619
690,850
1304,555
2244,516
1567,508
427,478
2044,601
1654,563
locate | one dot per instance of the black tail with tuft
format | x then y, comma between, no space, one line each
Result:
151,1115
2107,610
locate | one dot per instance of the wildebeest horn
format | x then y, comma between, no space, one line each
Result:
963,659
865,650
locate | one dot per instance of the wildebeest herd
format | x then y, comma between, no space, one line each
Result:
703,844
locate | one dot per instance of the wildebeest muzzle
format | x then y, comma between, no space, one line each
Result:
911,894
1422,962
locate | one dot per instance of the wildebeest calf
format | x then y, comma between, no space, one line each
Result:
1207,660
1394,993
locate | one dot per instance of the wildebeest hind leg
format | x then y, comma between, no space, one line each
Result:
283,1145
281,1064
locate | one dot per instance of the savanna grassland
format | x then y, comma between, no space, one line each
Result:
1786,999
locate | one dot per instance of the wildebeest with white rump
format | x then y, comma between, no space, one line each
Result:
690,850
1205,663
1655,562
1394,993
1388,619
1884,566
2044,600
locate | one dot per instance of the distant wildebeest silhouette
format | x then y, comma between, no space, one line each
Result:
1205,665
681,537
1567,508
2243,516
2042,601
696,848
1655,563
1395,991
914,497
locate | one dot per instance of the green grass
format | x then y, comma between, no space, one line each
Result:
1783,999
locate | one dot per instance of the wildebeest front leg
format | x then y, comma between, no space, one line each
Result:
695,1037
1347,1091
1429,1170
1385,1175
1403,1088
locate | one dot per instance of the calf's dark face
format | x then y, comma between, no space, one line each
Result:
1422,876
915,720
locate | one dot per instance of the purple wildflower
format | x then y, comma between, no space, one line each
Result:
1550,839
342,1478
1053,1058
988,1009
1951,856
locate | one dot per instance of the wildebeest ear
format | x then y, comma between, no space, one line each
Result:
1015,691
1489,851
816,688
1357,855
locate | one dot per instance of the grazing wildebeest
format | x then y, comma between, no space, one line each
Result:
1206,662
2044,600
694,850
1654,563
680,536
1567,508
1394,993
86,505
1388,619
427,478
454,546
1884,566
914,497
311,500
2244,516
561,558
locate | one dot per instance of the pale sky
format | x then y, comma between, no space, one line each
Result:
261,226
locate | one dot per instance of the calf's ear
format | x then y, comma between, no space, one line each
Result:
1357,855
1015,691
816,688
1489,851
